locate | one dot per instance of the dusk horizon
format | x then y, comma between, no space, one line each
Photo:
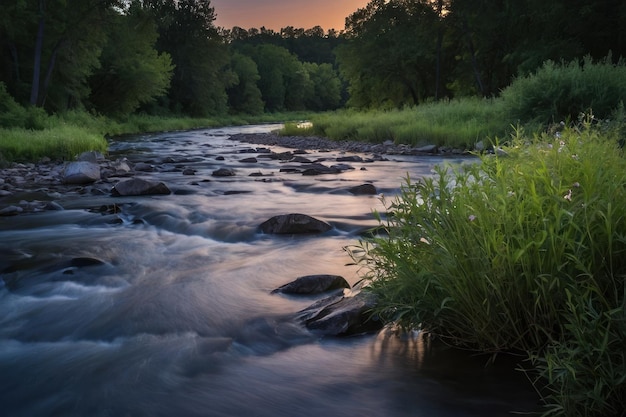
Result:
277,14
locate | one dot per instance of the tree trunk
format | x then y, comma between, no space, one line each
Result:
46,82
439,47
470,45
34,89
15,61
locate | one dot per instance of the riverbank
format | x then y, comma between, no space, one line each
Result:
187,280
31,187
388,147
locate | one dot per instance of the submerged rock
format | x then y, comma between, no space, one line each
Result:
313,284
319,169
364,189
294,223
223,172
350,158
11,211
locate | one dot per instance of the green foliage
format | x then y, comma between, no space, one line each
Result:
326,94
132,72
244,96
67,134
284,83
400,52
62,142
201,75
309,45
389,59
454,123
557,92
520,252
14,115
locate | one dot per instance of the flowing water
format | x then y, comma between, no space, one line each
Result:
162,305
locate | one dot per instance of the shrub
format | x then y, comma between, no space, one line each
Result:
561,91
14,115
523,252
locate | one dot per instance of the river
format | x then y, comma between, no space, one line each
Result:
162,305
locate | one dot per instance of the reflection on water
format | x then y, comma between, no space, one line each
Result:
164,308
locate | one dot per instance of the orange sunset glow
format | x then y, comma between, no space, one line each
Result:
276,14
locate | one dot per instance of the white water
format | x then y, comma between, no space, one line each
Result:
178,320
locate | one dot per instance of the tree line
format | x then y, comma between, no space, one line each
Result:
116,57
402,52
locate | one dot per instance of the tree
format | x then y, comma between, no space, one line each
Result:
244,95
284,83
132,72
201,75
390,56
326,92
55,45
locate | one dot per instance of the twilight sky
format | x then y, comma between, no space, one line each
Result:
276,14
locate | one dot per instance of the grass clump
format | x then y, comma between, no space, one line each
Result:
455,123
29,134
62,142
518,253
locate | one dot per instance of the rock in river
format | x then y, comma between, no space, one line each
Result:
138,186
294,223
341,316
313,284
81,172
363,189
223,172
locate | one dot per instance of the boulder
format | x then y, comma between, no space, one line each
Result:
363,189
81,172
138,186
313,284
342,316
294,223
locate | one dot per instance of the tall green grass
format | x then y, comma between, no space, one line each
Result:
455,123
62,142
518,253
30,134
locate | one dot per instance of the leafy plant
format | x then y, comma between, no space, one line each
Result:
522,252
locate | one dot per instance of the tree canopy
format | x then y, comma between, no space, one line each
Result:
116,57
400,52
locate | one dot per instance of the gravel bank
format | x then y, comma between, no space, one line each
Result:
319,143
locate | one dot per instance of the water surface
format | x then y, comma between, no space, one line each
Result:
163,305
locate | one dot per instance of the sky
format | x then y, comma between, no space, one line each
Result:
276,14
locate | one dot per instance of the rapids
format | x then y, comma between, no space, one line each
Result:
163,306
